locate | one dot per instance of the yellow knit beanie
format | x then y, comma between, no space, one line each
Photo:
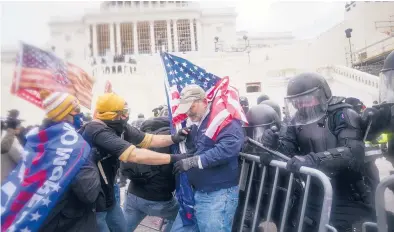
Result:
58,105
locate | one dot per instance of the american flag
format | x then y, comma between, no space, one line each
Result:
37,69
224,99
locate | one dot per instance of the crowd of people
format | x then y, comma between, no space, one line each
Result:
317,130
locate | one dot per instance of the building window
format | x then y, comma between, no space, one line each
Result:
127,38
103,40
254,87
143,37
115,38
183,29
195,34
172,35
160,31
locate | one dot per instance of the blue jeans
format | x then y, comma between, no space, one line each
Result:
136,209
214,211
111,220
117,193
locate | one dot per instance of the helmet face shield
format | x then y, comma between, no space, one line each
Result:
256,132
306,108
386,87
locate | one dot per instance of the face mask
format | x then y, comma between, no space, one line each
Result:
117,125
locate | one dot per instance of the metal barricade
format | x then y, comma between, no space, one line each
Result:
326,204
380,208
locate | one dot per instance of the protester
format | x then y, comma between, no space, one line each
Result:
11,149
56,172
150,189
105,134
212,169
137,123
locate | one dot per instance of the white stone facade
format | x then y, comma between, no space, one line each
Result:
141,81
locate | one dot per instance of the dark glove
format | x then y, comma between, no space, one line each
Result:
379,115
181,135
295,163
270,139
13,123
265,159
175,158
186,164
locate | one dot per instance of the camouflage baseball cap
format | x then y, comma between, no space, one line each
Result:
189,94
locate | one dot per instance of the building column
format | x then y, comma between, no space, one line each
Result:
118,39
199,35
94,44
152,37
135,39
193,42
176,49
112,38
169,35
88,39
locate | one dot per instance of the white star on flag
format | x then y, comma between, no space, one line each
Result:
25,229
35,216
56,187
187,75
46,201
184,64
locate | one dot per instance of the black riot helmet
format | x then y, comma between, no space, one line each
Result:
386,80
261,117
356,103
274,106
262,97
244,103
308,96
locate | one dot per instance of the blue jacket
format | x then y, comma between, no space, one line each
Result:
219,159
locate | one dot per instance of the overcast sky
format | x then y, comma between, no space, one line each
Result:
28,21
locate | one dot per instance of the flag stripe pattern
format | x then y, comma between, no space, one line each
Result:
223,98
37,69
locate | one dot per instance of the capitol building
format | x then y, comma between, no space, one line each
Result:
121,41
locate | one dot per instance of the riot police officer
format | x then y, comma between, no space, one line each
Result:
356,103
261,98
261,117
382,118
325,133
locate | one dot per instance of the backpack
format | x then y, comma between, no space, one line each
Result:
141,174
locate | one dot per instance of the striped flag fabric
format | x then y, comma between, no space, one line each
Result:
224,98
37,70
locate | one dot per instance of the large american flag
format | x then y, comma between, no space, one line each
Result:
224,99
37,70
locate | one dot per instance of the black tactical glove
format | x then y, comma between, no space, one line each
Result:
181,135
176,157
12,123
186,164
295,163
270,139
379,115
265,159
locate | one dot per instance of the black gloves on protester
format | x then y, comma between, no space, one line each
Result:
186,164
270,139
176,157
181,135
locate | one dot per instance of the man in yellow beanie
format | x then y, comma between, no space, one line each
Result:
105,133
56,172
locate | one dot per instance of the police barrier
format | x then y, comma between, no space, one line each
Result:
326,204
380,206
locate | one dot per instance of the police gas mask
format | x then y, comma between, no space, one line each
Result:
307,107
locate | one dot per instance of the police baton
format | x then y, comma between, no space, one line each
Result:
370,114
276,153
